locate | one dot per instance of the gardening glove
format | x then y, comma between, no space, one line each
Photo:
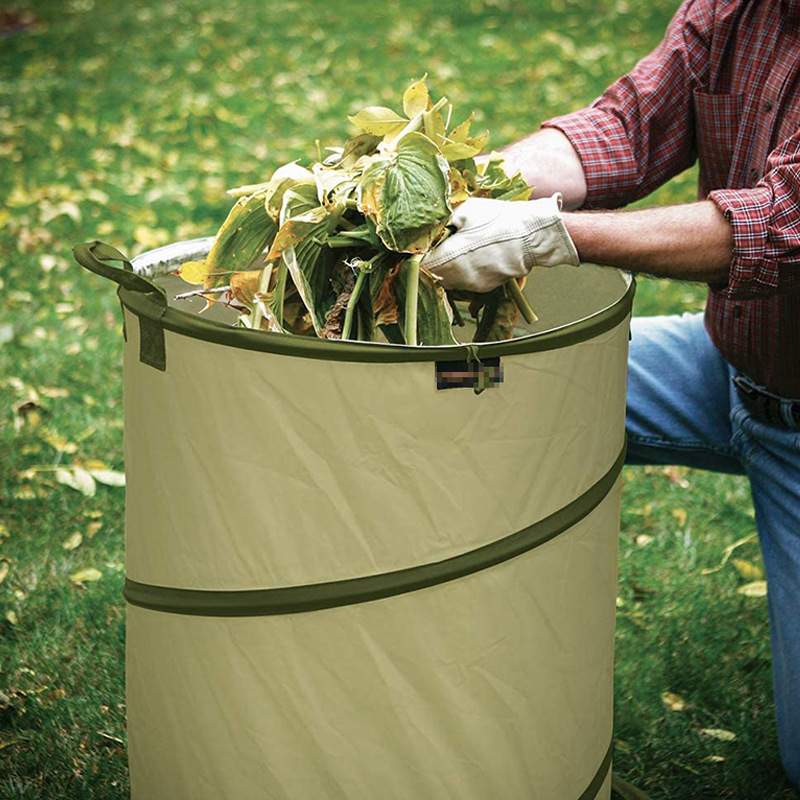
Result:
494,240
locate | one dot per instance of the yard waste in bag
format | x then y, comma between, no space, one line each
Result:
351,571
334,250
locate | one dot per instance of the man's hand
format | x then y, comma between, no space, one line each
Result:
495,240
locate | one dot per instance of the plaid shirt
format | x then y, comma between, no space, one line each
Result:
722,87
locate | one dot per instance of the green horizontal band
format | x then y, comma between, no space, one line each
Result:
600,777
313,597
148,307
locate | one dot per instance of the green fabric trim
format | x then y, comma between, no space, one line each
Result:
314,597
600,777
95,256
182,322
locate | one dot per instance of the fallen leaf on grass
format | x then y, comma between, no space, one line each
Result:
86,575
754,589
728,552
78,479
720,734
11,616
713,759
93,528
108,477
642,540
73,542
748,570
680,516
674,702
4,567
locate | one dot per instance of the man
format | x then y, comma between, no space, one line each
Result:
717,391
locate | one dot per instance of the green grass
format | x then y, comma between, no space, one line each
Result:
126,122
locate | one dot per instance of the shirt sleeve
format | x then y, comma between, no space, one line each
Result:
640,132
766,227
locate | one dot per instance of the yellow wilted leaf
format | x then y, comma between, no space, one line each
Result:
674,702
416,98
58,442
73,541
680,516
93,528
719,734
748,570
94,463
754,589
194,271
643,539
86,575
3,531
4,567
11,616
714,759
379,121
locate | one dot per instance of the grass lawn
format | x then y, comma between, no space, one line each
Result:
126,122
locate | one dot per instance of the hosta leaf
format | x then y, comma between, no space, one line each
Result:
283,178
243,237
406,195
362,145
493,181
296,229
416,98
379,121
309,261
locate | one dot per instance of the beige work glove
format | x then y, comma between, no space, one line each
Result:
495,240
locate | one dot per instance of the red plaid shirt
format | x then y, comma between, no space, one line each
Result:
723,86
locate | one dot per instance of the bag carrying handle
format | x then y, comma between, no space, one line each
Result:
95,256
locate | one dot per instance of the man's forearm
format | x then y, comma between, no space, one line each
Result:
549,163
692,242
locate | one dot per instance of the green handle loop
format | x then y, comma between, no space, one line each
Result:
95,256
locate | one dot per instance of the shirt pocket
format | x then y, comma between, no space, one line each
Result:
717,118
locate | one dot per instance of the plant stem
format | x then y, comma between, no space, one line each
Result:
412,295
263,288
280,291
351,304
522,302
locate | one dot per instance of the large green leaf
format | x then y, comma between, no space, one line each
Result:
406,195
243,237
309,261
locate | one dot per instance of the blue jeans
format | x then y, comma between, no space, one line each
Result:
683,409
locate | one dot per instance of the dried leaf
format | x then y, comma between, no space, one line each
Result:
4,568
748,570
754,589
719,734
74,541
108,477
674,702
86,575
729,550
379,121
194,271
680,515
78,479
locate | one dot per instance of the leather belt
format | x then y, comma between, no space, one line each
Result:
766,406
